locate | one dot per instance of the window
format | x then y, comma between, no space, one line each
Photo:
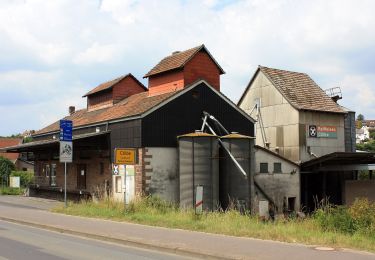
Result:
263,168
277,167
53,174
47,170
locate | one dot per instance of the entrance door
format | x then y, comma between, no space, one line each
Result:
81,176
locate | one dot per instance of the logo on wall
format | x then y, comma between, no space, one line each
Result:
313,131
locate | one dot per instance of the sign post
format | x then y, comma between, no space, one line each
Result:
66,147
199,200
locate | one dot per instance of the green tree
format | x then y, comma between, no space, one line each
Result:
360,117
6,167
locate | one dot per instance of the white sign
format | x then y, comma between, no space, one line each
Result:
14,182
66,151
199,200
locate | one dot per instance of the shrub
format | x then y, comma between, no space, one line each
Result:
335,218
11,191
6,166
25,177
363,213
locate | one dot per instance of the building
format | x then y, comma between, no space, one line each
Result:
19,159
277,181
123,113
299,121
362,134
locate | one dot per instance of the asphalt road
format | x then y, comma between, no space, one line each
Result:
22,242
128,240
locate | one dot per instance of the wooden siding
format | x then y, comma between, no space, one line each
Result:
184,115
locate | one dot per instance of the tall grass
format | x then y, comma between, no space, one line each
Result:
337,227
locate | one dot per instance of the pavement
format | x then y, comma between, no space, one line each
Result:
34,212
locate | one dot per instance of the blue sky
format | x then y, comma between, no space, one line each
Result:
53,52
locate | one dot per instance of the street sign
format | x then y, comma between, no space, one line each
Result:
115,169
66,130
125,156
14,182
66,151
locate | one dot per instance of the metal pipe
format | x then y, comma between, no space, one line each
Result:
228,152
217,121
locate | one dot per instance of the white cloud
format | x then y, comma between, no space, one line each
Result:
97,53
52,46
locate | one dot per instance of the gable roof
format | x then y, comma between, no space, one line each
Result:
178,60
276,155
109,84
135,106
5,142
299,90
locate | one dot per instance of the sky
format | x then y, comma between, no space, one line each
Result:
53,52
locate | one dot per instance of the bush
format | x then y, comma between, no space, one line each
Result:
11,191
6,167
335,218
25,177
363,214
360,217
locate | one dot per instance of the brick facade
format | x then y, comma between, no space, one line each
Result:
98,171
201,66
126,87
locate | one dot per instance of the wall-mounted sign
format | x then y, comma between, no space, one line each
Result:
327,131
322,131
125,156
312,131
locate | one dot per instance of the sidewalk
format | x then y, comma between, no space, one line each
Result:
190,243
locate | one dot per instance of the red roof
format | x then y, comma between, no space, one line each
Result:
111,83
134,105
6,142
178,60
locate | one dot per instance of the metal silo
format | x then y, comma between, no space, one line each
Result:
199,165
234,186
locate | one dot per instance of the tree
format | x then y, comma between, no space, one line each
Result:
6,167
360,117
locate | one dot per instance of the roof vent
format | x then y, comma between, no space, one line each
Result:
175,52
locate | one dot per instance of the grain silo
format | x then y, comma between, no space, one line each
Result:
199,165
234,185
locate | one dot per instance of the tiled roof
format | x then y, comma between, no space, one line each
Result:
111,83
5,142
132,106
301,91
178,60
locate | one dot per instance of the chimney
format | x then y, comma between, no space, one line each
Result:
72,110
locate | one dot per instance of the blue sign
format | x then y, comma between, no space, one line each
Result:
66,130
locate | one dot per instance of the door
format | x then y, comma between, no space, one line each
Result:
81,176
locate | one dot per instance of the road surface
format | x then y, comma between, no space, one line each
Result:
22,242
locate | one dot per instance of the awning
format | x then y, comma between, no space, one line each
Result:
29,147
340,161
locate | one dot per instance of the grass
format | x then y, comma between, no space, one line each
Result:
154,212
11,191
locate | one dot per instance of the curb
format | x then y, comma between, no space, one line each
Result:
126,242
